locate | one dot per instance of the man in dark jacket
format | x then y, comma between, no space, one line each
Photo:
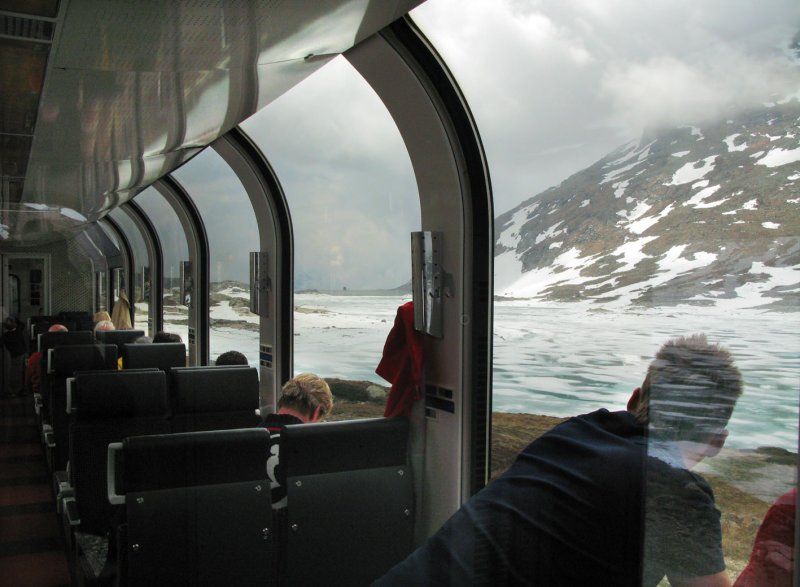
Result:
605,498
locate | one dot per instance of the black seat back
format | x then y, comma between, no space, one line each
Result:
64,362
107,407
164,355
47,341
346,479
214,398
118,337
197,508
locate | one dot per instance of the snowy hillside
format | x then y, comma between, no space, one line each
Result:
692,215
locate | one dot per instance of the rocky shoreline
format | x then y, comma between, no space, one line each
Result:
745,482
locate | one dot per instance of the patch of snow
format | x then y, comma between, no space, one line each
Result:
729,140
619,188
750,205
681,153
777,157
794,177
641,208
550,232
757,154
691,172
235,292
584,204
700,184
695,132
223,311
556,245
565,268
643,224
507,269
770,225
696,201
794,200
631,253
510,236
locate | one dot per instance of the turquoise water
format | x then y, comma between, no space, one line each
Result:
567,359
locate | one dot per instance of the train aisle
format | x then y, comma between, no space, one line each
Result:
31,547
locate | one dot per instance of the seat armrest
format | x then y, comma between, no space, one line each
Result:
63,490
37,403
48,436
70,507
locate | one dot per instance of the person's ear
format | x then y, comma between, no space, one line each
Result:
716,443
316,415
634,400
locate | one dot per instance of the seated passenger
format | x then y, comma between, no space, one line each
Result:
231,358
306,398
605,498
162,336
33,371
101,316
103,326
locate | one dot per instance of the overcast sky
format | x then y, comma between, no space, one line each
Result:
553,85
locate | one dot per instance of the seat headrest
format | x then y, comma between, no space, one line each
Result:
351,445
119,394
118,337
66,360
48,340
166,461
164,355
215,389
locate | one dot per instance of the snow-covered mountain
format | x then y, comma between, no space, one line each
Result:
703,215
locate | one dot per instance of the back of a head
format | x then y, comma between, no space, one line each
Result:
166,337
9,323
691,389
231,358
58,328
104,325
101,316
305,393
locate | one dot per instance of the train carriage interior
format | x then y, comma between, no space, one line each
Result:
308,183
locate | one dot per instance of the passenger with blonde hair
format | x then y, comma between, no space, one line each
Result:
304,399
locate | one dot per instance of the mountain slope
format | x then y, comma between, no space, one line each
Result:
689,215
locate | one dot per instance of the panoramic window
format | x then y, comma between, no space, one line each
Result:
353,201
139,289
175,250
232,234
646,179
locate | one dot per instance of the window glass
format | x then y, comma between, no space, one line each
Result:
646,186
139,290
353,204
175,250
232,234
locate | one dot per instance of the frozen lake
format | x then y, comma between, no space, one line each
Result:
566,359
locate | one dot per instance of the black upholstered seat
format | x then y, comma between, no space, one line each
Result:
64,361
197,508
163,355
350,500
118,337
214,398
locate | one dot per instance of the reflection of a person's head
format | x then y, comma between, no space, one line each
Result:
689,393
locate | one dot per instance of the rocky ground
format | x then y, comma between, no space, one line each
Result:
745,482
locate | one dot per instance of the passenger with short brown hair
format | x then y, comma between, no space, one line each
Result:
162,336
229,358
304,399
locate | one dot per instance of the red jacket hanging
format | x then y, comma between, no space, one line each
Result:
401,364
